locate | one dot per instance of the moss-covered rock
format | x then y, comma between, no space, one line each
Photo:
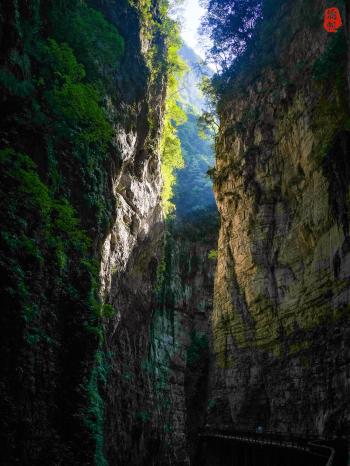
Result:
282,282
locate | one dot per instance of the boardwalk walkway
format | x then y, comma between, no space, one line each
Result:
315,448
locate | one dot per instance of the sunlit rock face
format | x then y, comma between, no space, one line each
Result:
161,283
136,181
131,250
138,209
281,318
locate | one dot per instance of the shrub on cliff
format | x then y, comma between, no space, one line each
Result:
58,61
75,102
96,42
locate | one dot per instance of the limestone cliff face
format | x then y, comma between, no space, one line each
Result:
161,284
67,396
136,180
157,388
281,320
179,353
132,248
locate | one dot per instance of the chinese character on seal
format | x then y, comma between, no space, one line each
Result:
332,20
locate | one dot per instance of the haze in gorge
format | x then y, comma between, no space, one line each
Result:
174,243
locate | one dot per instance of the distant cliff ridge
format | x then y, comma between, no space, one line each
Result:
190,89
193,190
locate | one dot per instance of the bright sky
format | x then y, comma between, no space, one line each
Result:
191,16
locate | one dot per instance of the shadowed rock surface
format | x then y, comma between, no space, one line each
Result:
125,335
281,302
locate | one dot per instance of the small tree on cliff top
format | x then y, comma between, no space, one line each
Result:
229,24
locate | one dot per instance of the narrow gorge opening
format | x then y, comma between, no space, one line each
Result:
174,245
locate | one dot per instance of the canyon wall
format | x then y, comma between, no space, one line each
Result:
281,318
105,309
117,348
82,226
131,251
179,352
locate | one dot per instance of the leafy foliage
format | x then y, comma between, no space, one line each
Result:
250,35
35,228
193,194
94,418
332,112
230,25
64,83
76,104
213,254
193,190
174,68
54,78
246,35
96,42
170,146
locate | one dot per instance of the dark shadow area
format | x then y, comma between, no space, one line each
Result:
222,452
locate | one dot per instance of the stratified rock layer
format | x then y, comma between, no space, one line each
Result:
281,319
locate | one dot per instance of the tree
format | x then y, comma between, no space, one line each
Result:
229,24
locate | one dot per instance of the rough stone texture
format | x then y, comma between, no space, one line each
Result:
92,387
131,251
156,394
162,298
180,342
163,301
281,320
51,413
59,395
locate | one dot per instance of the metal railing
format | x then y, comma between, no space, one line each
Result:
273,439
330,449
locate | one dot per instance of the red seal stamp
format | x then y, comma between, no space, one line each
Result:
332,20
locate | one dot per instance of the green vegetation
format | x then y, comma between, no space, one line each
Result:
64,79
56,235
196,212
75,103
143,416
211,404
193,189
57,80
56,132
39,231
230,25
332,114
170,146
174,68
213,254
94,417
331,64
248,36
96,42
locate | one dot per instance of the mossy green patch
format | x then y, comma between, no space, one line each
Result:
94,416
